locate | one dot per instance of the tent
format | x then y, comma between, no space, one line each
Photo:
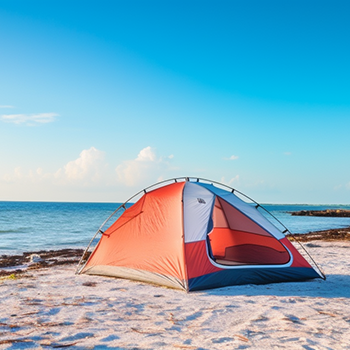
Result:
192,234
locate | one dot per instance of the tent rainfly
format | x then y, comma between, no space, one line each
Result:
190,234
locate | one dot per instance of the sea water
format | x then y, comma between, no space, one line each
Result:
34,226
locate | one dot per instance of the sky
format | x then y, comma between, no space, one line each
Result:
100,99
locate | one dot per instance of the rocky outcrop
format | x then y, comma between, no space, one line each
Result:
338,234
329,212
10,264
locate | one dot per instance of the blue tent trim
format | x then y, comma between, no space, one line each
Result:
232,277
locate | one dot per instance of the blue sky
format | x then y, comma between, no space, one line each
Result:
99,99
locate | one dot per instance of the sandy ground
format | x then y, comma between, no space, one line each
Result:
53,308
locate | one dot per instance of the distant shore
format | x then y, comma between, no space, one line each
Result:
340,213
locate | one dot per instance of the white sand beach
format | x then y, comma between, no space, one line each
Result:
54,308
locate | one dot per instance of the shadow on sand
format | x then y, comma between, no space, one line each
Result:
335,286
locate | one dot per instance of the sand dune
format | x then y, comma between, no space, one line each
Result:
53,308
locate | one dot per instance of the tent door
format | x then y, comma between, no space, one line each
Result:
241,243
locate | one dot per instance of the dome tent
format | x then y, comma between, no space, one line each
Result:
190,234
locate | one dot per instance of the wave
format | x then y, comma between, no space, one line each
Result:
15,230
8,231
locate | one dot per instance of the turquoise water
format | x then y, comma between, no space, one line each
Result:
305,224
32,226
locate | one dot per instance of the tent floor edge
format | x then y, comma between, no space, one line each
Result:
137,275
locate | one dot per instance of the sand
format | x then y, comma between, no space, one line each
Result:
53,308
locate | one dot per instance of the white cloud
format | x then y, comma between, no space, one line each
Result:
20,175
88,168
16,175
231,182
146,169
233,157
29,119
89,174
146,155
6,106
234,180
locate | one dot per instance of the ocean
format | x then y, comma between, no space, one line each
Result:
34,226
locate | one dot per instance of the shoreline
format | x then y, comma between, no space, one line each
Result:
19,264
336,234
13,265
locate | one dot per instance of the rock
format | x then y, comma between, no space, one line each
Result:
327,212
338,234
35,258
